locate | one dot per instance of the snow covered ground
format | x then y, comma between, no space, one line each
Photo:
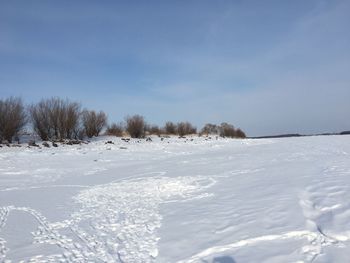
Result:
177,200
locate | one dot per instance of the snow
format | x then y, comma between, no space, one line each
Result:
177,200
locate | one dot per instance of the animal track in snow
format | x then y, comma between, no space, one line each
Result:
44,234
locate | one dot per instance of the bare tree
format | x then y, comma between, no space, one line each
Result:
13,118
70,116
154,130
55,108
240,133
56,119
41,121
115,129
135,126
93,122
185,128
227,130
210,129
170,128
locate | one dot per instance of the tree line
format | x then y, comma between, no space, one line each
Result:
57,119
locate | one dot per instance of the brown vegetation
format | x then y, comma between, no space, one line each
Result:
170,128
240,134
135,126
12,118
227,130
154,130
209,129
93,122
185,128
115,130
56,119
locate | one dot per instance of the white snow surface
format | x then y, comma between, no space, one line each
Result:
177,200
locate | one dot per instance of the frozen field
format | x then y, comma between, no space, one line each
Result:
222,201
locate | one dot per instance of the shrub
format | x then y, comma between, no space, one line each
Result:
135,126
185,128
227,130
210,129
115,130
56,119
70,117
154,130
12,118
240,134
93,122
170,128
41,120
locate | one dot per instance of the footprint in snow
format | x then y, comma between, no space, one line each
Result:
117,222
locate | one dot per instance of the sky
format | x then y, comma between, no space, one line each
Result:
268,67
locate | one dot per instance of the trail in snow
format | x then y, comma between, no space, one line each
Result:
278,200
117,222
43,187
315,238
4,211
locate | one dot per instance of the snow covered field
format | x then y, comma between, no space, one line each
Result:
223,201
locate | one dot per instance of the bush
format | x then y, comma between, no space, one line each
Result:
227,130
41,114
170,128
185,128
56,119
12,118
115,130
135,126
210,129
93,122
240,134
69,120
154,130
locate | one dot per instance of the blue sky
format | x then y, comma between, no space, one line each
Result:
268,67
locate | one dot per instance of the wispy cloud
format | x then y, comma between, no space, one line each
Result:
269,68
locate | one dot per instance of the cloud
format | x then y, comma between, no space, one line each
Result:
268,68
